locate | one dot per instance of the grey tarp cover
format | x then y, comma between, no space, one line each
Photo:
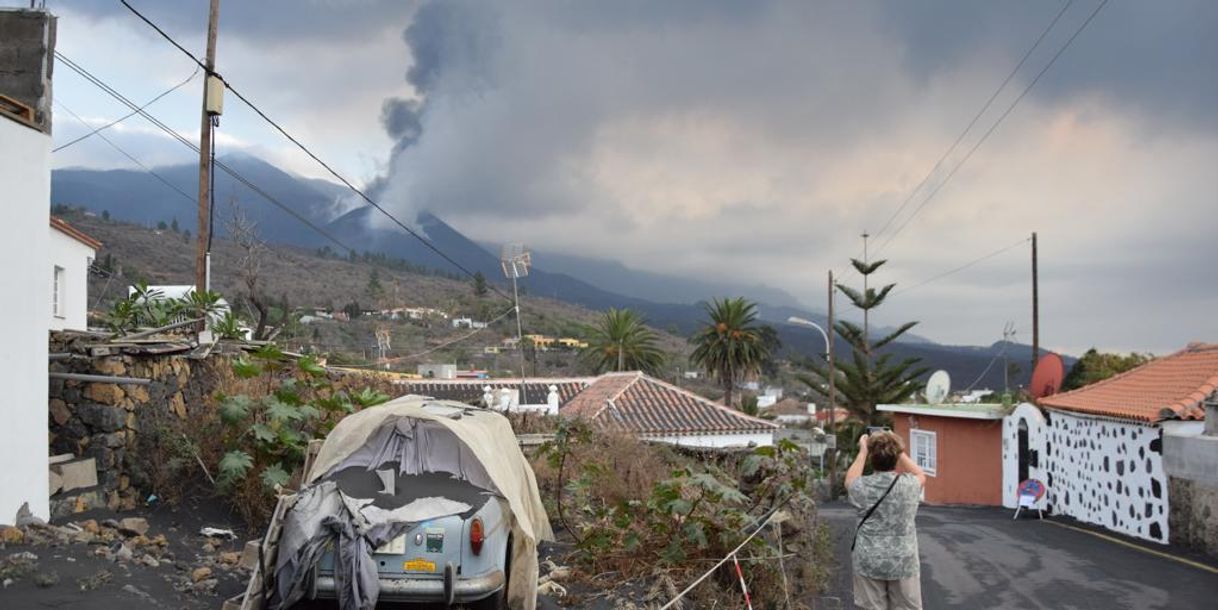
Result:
420,439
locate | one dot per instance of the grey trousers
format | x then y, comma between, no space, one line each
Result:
873,594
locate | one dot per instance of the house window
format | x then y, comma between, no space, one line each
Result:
57,304
923,447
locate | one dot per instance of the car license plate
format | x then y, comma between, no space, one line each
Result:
397,546
419,565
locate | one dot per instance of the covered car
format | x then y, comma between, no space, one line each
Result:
414,500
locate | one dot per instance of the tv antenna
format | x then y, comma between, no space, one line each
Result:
516,260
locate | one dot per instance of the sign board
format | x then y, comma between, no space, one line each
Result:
831,441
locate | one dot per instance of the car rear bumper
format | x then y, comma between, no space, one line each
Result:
462,588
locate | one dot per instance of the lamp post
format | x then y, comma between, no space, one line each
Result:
832,374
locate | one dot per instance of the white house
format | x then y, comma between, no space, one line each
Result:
25,181
71,254
1100,447
656,410
438,371
468,323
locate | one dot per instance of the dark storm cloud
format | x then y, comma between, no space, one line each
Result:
266,20
1152,57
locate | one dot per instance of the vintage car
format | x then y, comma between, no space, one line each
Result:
416,500
462,558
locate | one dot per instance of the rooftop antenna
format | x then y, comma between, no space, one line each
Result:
515,260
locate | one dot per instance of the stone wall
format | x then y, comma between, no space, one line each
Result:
1194,515
1191,458
147,438
118,425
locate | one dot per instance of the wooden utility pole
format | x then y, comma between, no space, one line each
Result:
205,145
866,317
832,394
1035,307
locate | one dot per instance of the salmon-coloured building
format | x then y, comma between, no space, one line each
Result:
958,445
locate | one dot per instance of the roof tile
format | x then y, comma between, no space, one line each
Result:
1171,387
638,404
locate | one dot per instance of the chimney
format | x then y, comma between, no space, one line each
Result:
1211,416
27,60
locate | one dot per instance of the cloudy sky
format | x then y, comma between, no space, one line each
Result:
749,140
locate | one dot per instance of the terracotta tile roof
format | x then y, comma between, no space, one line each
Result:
787,406
1171,387
839,415
62,226
638,404
470,391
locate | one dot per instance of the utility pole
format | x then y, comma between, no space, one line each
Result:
866,317
832,396
202,254
1035,307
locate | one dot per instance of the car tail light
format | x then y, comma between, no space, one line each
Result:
476,536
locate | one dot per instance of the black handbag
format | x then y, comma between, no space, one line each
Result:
872,510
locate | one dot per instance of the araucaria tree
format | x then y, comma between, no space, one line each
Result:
621,341
869,377
732,346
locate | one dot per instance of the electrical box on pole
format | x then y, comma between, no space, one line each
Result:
215,96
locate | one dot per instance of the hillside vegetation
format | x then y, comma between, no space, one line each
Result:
297,280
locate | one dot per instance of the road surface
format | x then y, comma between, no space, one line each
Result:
980,558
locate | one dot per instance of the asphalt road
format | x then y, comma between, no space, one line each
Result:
980,558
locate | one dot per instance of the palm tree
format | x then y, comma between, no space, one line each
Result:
731,346
621,341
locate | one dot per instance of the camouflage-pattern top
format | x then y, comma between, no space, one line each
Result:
887,547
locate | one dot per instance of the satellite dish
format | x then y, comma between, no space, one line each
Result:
937,387
1047,377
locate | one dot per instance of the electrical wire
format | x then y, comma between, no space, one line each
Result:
227,85
128,115
976,117
993,127
192,146
964,266
130,157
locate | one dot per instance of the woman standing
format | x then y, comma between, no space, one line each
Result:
885,552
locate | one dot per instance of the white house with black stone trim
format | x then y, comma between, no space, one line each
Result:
1102,458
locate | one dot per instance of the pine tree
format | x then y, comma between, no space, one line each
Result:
480,288
869,378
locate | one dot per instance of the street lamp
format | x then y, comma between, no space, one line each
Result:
832,374
798,321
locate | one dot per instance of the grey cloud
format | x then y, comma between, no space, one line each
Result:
266,20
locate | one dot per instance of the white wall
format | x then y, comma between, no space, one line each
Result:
25,181
1037,432
1107,472
74,257
716,440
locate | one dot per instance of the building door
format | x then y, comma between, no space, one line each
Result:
1023,450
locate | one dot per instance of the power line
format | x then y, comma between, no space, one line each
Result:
191,145
127,154
993,127
976,117
126,116
227,85
964,266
